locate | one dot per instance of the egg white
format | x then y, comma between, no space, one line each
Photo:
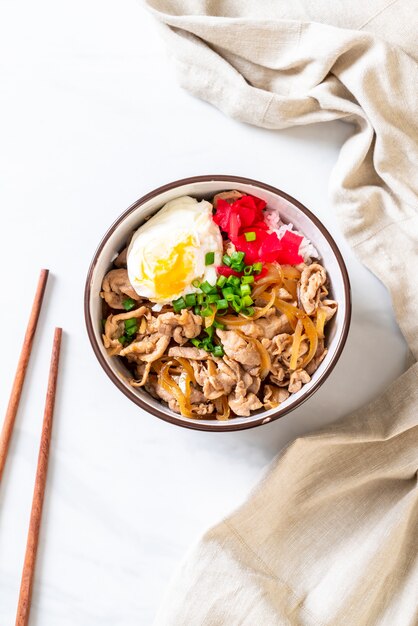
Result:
167,253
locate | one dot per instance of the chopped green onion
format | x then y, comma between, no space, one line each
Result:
218,325
196,283
103,323
207,344
131,327
236,304
226,260
245,290
257,267
206,287
128,304
248,269
206,311
238,267
247,301
210,258
249,311
195,342
222,304
237,257
228,295
213,297
196,309
228,290
247,280
201,298
233,280
221,281
179,304
218,351
210,330
251,236
190,299
122,340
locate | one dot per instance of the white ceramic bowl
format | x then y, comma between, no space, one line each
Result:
205,187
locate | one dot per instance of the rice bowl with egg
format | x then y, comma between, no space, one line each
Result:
224,307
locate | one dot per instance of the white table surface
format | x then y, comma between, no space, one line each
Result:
91,118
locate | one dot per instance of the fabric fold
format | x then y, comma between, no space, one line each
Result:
315,546
330,535
284,73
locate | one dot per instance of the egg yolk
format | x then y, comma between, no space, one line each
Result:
171,274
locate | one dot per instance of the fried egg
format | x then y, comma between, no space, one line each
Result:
168,252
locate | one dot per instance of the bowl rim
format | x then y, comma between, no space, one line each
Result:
256,420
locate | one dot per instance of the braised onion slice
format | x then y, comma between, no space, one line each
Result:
291,276
291,287
312,335
294,314
289,271
169,384
232,320
321,316
223,400
297,339
211,367
274,276
188,369
261,312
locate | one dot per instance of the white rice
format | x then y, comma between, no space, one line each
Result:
275,224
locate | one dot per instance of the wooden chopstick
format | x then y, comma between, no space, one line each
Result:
25,595
22,365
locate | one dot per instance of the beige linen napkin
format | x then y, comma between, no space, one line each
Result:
330,536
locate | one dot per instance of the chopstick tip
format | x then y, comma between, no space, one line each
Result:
43,277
